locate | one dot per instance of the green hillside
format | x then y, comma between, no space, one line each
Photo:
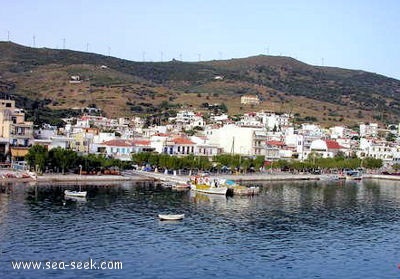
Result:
39,79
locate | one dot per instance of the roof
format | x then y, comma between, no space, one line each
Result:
182,140
275,143
142,142
119,142
331,144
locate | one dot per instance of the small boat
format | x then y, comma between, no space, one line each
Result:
76,194
354,175
205,184
181,186
76,199
171,217
240,190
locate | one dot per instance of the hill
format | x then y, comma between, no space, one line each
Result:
40,80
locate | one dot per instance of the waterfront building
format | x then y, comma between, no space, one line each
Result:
379,149
178,145
325,148
122,149
16,134
233,139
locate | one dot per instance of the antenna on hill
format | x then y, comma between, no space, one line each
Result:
64,43
109,51
8,36
322,61
220,55
199,55
180,56
87,47
143,56
162,56
34,41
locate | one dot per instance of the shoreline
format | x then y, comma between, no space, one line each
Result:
141,176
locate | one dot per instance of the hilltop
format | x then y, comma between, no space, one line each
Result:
40,80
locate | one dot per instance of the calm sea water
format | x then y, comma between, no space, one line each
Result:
291,230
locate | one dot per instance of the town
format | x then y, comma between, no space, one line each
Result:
267,134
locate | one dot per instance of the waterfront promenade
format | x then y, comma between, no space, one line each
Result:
137,175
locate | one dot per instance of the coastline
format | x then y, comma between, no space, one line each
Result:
142,176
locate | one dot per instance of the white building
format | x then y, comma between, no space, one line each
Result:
233,139
368,130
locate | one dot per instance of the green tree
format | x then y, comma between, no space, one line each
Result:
63,158
372,163
391,137
37,157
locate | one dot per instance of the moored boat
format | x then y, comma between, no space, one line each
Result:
241,190
204,184
353,175
181,186
171,217
77,194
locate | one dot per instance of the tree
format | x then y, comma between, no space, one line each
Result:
37,157
63,158
391,137
372,163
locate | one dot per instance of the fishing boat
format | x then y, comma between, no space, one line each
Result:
181,186
354,175
171,217
240,190
205,184
75,194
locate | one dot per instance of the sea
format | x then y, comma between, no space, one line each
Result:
292,229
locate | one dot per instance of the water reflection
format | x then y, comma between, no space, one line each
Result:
299,226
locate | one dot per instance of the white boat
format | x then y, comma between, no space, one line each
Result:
209,189
354,175
76,194
171,217
76,199
181,186
205,184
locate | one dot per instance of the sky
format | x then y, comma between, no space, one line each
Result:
352,34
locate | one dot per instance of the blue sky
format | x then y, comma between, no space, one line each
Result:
350,34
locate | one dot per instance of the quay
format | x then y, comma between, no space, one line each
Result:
238,178
258,177
139,175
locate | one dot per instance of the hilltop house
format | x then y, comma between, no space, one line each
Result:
249,100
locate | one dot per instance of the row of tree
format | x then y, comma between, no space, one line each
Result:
253,163
222,162
338,163
61,160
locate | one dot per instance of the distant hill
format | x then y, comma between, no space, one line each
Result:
40,80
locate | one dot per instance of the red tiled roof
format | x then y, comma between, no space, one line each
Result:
142,142
119,142
275,143
331,144
182,140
